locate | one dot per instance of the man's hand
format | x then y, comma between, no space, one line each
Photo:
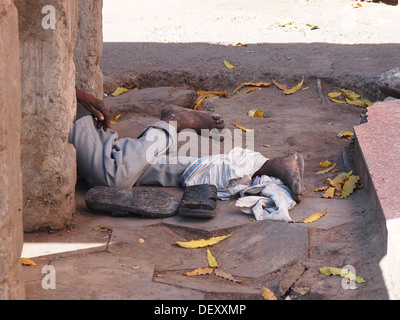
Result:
96,107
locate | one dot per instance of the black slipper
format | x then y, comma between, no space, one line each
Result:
199,201
151,203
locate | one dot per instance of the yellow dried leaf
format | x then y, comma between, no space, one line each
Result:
256,113
114,121
359,103
326,170
119,91
295,88
339,179
324,188
334,94
242,128
329,193
27,262
201,243
212,262
251,84
284,23
314,217
312,26
345,134
199,272
351,95
343,272
324,164
251,90
227,276
282,87
337,100
349,186
268,294
199,103
103,229
228,65
239,44
209,94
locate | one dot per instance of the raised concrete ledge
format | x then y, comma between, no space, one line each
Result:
377,161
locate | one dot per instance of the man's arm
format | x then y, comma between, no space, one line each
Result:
96,107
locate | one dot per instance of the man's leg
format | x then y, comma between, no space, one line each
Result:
103,159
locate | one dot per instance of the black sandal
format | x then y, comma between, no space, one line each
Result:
199,201
150,203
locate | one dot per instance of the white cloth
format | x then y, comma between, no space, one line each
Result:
232,174
267,199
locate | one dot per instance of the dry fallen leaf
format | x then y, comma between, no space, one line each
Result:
212,262
324,188
209,94
295,88
349,97
345,134
268,294
251,84
349,186
256,113
27,262
103,229
242,128
201,243
251,90
199,272
228,65
136,267
282,87
343,272
239,44
141,240
227,276
329,193
114,121
312,26
199,103
324,164
314,217
119,91
339,179
326,170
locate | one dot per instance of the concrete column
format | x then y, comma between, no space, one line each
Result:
11,235
89,48
48,32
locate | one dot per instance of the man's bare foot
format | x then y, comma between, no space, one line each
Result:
192,119
289,169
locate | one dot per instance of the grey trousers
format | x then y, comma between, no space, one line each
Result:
105,160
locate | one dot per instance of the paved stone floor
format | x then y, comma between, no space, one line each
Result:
101,257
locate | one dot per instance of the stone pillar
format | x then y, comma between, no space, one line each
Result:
11,235
47,31
89,48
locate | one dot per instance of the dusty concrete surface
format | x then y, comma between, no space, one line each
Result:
110,263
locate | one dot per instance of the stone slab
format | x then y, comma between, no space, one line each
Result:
122,278
269,246
377,150
338,211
